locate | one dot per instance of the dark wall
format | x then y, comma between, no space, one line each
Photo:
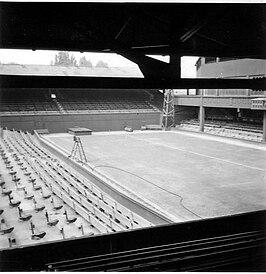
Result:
96,122
185,113
34,258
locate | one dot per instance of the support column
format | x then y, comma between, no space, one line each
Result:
201,118
174,54
175,64
168,118
264,127
201,114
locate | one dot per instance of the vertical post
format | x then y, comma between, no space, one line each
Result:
82,229
47,216
168,109
19,211
175,63
32,226
201,114
174,50
10,242
66,215
62,232
264,127
201,118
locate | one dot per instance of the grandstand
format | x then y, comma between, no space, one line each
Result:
41,183
104,101
97,109
225,112
233,130
107,169
49,197
84,101
31,101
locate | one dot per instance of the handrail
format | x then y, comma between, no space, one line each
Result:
70,190
114,209
112,186
131,258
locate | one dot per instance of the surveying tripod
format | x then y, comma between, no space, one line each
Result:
78,148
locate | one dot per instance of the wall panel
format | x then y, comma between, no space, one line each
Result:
96,122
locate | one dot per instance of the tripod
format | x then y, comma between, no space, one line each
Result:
78,148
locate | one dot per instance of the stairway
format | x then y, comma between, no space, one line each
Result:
60,107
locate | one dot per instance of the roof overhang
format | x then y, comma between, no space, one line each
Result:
188,29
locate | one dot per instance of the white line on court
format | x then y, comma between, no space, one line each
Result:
241,183
213,138
197,153
222,139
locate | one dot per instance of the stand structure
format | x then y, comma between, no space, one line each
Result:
168,119
78,148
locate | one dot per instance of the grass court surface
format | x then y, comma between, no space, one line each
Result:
188,175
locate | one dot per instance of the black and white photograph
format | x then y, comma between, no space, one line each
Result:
133,136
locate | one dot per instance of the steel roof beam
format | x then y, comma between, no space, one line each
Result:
15,81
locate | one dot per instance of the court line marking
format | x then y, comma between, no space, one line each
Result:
199,154
196,153
222,139
241,183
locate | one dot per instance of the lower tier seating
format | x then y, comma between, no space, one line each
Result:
228,129
43,199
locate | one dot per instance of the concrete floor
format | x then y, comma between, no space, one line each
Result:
188,175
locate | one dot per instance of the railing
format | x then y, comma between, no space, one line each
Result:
84,198
192,255
126,198
89,191
215,101
209,244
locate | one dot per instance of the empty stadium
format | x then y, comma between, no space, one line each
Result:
109,169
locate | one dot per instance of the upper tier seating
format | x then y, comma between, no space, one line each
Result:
74,101
27,101
105,100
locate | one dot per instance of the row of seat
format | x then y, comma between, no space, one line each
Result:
22,106
249,123
50,179
94,195
194,255
106,106
33,210
97,208
234,130
39,101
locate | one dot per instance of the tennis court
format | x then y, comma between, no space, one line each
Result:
187,175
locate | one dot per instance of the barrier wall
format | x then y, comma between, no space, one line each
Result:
34,258
56,123
122,196
243,102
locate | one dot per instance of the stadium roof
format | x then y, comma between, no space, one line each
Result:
44,70
135,30
196,29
